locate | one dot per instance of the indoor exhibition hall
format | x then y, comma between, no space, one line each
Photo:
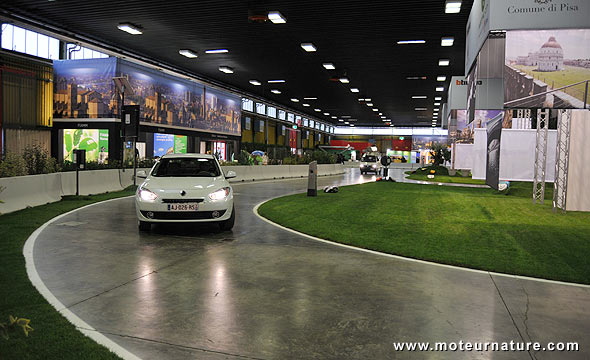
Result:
295,179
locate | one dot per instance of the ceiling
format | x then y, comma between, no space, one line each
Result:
358,37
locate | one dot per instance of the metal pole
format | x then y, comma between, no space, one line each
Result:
134,160
540,156
562,161
122,127
77,180
586,95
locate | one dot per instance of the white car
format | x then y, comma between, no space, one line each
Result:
370,163
185,188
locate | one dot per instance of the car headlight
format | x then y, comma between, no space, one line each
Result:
147,195
220,194
373,166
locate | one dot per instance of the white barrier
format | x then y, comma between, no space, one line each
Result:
26,191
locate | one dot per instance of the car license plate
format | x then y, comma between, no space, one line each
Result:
183,207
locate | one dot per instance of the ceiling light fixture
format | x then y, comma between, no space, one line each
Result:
255,82
369,104
419,97
407,42
294,100
444,62
375,109
216,51
344,80
367,99
329,66
354,90
436,104
441,78
317,110
420,109
275,91
438,98
310,98
334,117
416,78
447,41
188,53
309,47
452,6
276,17
226,69
306,105
130,28
276,81
440,88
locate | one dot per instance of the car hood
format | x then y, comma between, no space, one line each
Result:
193,186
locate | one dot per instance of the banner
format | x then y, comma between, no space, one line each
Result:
94,141
494,130
542,67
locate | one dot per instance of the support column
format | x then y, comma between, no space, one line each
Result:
540,156
562,156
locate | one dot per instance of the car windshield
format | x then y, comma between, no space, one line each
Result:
184,167
369,158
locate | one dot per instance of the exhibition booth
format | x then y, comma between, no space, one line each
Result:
513,116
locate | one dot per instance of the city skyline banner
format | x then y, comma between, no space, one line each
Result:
546,68
85,89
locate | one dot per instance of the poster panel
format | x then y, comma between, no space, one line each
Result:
542,68
463,132
422,142
222,112
84,88
494,130
94,141
180,144
163,144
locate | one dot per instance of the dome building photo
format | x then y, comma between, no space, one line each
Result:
550,57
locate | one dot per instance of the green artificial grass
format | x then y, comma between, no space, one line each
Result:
53,336
441,175
470,227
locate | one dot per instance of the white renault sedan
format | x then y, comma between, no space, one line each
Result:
185,188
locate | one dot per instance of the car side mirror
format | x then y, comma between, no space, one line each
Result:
230,174
141,174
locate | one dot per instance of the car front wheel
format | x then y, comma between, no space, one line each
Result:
229,223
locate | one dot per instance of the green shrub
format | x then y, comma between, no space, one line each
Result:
35,159
13,165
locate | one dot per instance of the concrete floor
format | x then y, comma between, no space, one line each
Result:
189,292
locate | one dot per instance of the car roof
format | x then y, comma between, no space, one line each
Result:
188,155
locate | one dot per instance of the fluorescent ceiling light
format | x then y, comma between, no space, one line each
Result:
188,53
310,98
354,90
346,116
447,41
436,104
435,109
275,91
255,82
344,80
216,51
294,100
420,109
329,66
361,99
369,104
327,114
383,117
351,125
438,98
334,117
441,78
419,97
367,99
380,114
309,47
306,105
440,88
346,122
444,62
276,17
276,81
375,109
406,42
129,28
452,6
416,78
226,69
340,120
317,110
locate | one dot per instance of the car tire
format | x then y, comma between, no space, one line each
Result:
228,224
144,226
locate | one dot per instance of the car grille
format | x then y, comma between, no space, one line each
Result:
183,215
181,201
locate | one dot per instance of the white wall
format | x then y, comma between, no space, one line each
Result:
578,191
517,154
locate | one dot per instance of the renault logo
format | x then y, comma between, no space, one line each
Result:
182,193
